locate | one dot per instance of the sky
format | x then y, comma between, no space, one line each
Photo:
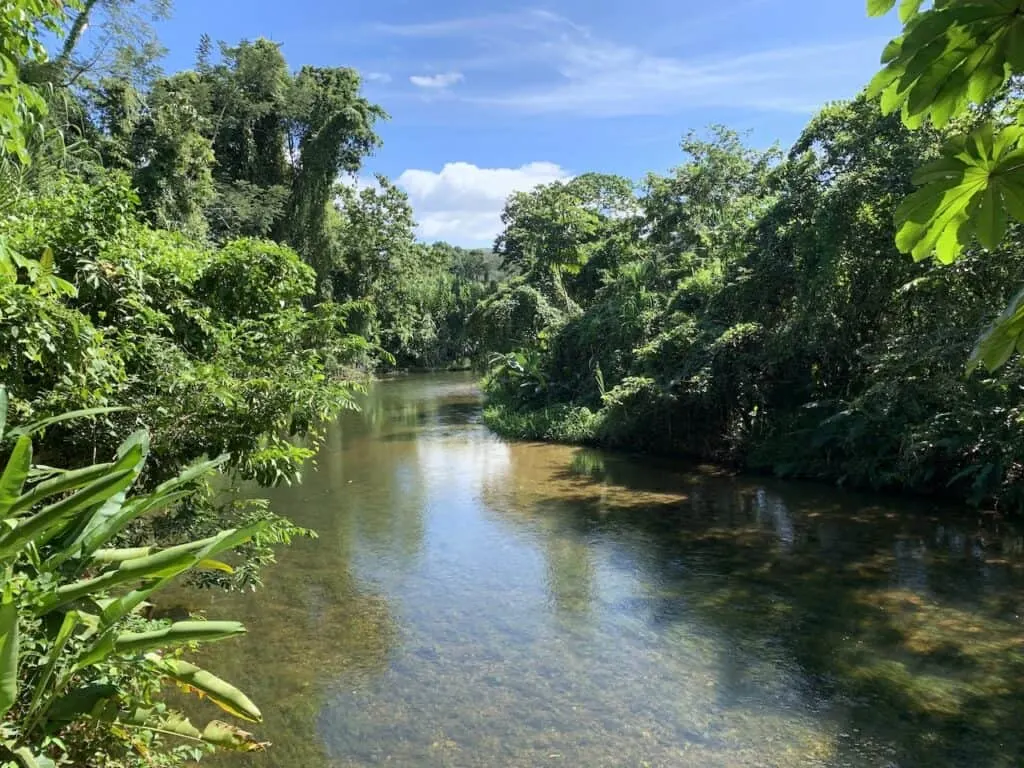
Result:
486,98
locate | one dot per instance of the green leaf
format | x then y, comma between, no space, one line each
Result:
880,7
62,483
27,759
8,655
86,413
3,410
36,528
80,702
111,520
1004,337
909,9
179,633
215,733
949,57
156,569
221,693
40,688
15,474
991,219
974,188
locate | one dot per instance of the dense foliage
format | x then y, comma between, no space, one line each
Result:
755,309
178,262
194,259
82,669
954,60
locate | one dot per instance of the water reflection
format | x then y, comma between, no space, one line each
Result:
474,603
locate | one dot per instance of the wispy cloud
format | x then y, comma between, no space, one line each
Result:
573,71
439,81
604,79
377,77
470,25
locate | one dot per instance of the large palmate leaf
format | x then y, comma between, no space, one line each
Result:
950,56
972,190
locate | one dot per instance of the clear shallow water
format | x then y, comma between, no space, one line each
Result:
475,603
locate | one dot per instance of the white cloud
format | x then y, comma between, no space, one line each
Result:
377,77
574,71
462,202
439,81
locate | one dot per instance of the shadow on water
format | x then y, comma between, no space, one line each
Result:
474,603
909,620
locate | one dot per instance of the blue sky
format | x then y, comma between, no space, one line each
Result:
489,97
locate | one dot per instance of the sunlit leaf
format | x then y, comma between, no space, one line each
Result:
973,189
14,475
880,7
9,647
1005,336
221,693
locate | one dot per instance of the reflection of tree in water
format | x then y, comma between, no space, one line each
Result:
905,627
310,627
570,574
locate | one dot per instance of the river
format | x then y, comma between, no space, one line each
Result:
475,603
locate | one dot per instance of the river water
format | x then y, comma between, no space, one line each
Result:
471,602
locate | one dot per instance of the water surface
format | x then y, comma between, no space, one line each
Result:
476,603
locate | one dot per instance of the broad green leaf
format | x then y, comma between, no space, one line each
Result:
62,483
179,633
37,526
215,733
192,473
28,759
221,693
8,655
973,189
30,429
113,556
40,689
949,57
909,9
80,702
15,473
880,7
991,219
183,557
1005,336
110,521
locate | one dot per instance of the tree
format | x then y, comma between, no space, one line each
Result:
329,131
552,231
22,108
949,65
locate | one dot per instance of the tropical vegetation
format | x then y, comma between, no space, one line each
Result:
191,260
756,307
196,275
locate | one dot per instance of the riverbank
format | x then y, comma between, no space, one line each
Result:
478,602
577,425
